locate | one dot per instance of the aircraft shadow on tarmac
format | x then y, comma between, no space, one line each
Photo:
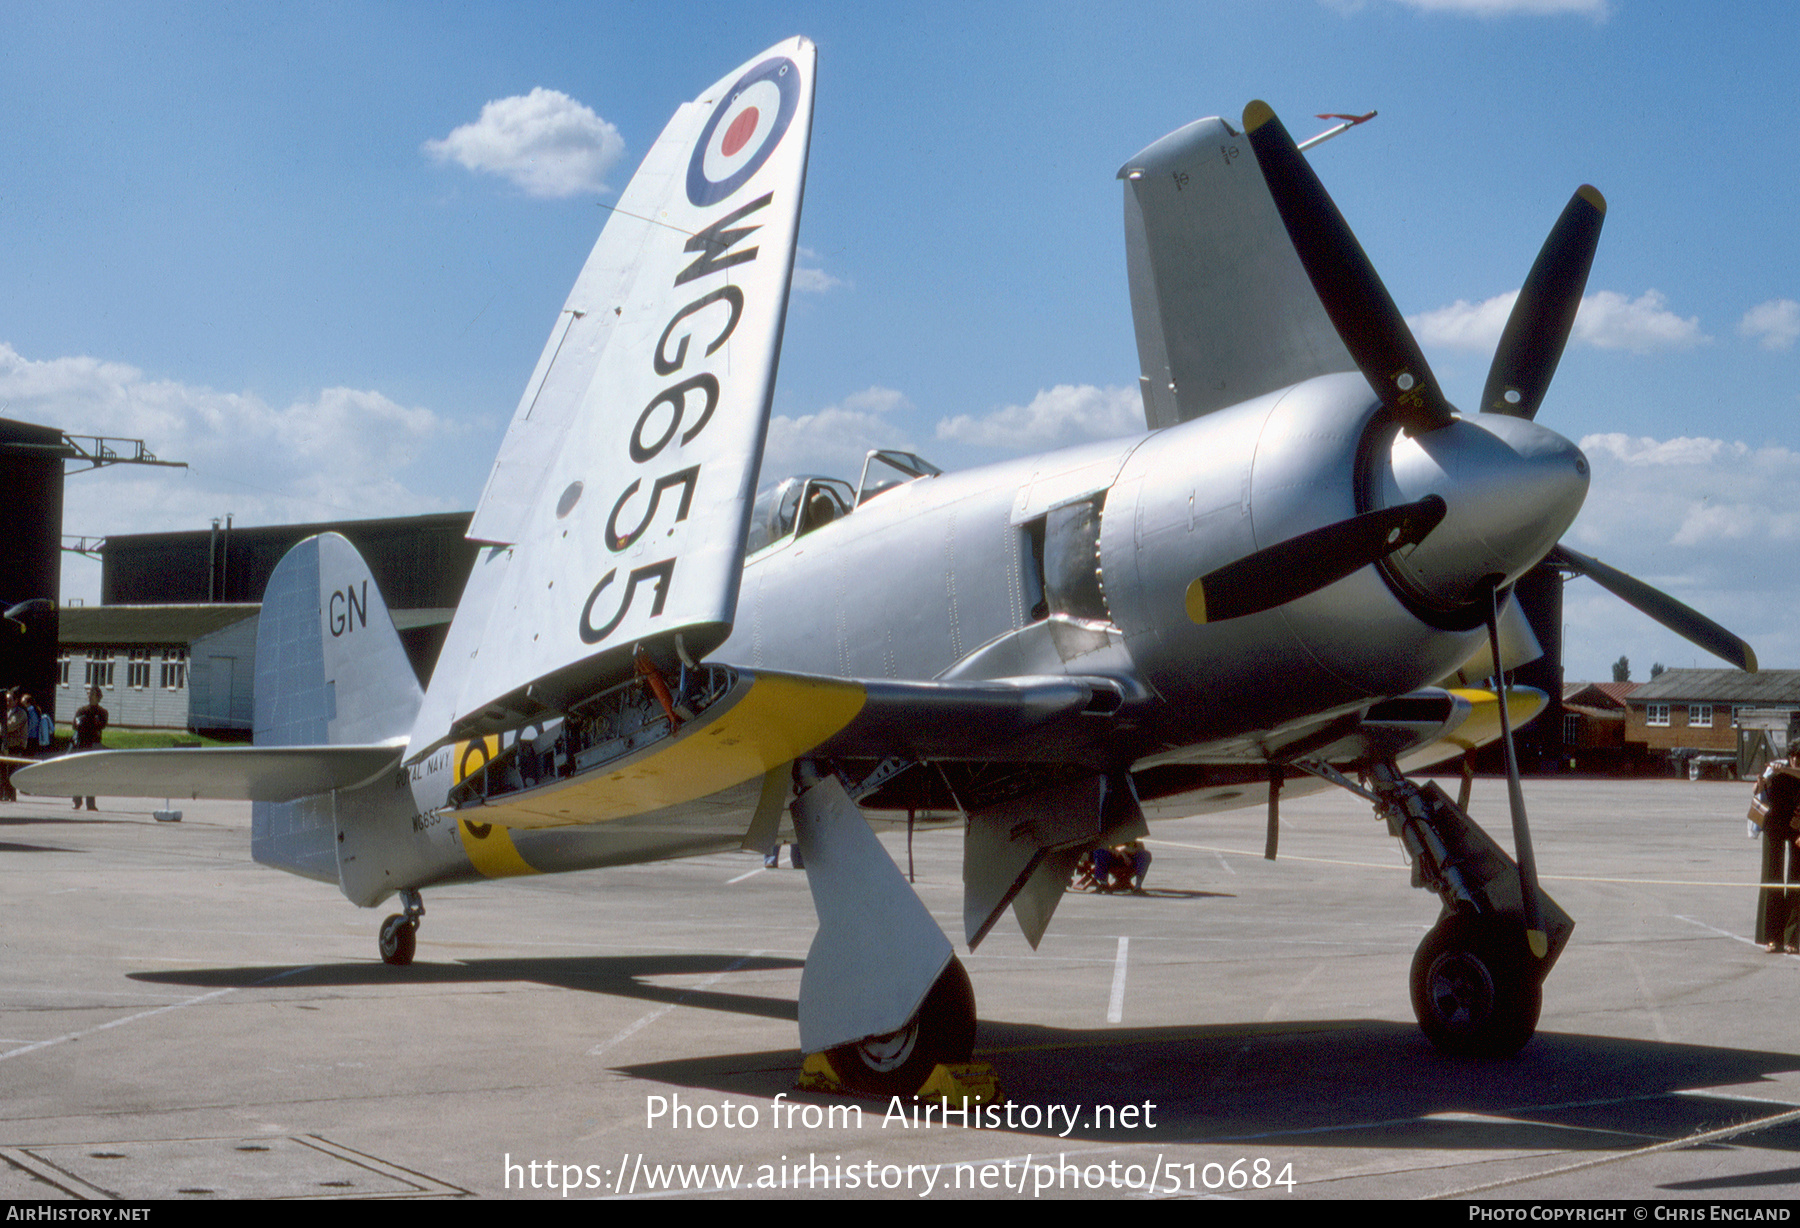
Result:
1342,1082
623,976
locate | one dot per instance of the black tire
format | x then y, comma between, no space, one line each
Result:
1473,989
898,1064
399,938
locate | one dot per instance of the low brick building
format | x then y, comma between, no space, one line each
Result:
1686,712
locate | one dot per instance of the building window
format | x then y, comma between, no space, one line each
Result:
1571,729
1656,714
1700,714
174,669
62,669
137,669
99,669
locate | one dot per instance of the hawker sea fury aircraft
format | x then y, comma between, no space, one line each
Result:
1292,577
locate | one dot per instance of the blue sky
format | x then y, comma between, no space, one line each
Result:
248,235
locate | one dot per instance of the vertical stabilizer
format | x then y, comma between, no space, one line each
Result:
330,670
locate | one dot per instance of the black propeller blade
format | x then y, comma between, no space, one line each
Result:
1305,564
1683,620
1538,328
1535,937
17,614
1360,308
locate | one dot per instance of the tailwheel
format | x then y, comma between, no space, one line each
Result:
1473,989
899,1063
399,938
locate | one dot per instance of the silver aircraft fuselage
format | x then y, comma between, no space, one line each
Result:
980,574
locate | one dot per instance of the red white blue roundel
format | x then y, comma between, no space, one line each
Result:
744,130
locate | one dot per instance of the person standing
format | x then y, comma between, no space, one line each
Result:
1778,903
12,742
34,726
90,723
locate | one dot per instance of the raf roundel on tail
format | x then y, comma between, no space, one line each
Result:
1302,575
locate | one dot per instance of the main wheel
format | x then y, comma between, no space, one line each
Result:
399,938
1472,988
899,1063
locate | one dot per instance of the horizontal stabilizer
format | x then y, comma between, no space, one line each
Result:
228,773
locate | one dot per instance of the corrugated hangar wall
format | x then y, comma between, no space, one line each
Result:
31,474
419,562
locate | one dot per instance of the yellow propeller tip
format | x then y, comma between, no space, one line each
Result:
1196,603
1540,945
1257,114
1591,195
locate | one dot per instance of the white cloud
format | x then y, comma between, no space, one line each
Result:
1610,321
1776,323
1607,321
1464,325
1065,414
1709,521
809,278
342,453
544,142
835,440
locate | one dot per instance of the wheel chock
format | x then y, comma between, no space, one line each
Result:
972,1083
817,1075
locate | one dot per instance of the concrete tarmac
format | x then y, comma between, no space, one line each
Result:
176,1021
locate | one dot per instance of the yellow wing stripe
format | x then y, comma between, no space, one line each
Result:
491,850
776,719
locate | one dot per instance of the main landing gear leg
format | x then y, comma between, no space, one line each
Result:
1476,987
883,994
400,932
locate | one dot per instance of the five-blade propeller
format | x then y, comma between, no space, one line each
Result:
1384,349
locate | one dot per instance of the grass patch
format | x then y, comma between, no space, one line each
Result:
139,739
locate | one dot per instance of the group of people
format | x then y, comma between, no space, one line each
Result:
29,732
1118,867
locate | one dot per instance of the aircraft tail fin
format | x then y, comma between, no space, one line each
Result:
330,667
330,671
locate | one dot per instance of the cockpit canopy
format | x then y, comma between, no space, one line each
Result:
800,504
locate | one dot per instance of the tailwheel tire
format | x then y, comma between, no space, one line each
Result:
1473,989
899,1063
399,938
